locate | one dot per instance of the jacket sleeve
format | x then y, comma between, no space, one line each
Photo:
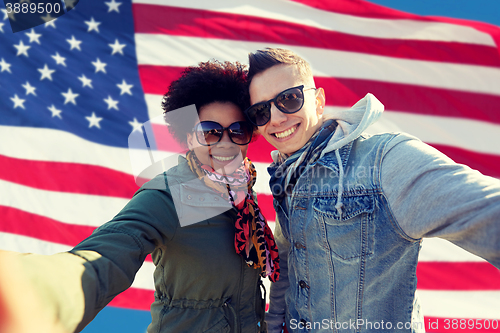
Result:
432,196
74,286
275,317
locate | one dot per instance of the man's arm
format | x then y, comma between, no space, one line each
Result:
432,196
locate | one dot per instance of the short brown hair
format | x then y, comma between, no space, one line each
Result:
262,60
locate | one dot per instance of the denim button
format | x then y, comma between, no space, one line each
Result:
202,199
189,197
303,284
299,245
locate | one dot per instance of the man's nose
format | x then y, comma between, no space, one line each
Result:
277,117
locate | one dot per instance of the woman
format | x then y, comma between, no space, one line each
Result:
208,268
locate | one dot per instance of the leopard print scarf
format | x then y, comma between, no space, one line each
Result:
253,238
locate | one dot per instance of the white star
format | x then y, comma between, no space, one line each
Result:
8,15
125,88
70,97
112,104
99,66
93,25
33,36
1,27
46,73
59,60
86,81
17,101
55,112
117,47
5,66
93,120
75,44
22,49
29,89
49,20
136,126
112,5
70,4
5,15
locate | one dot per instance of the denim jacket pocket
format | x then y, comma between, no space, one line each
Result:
348,236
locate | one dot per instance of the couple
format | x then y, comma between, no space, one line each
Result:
351,209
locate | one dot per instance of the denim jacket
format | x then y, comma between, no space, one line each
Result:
354,269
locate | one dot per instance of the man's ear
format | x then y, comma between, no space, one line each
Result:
320,101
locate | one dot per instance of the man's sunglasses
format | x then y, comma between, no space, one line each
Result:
288,101
209,133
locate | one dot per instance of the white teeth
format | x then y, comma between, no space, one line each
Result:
223,158
286,133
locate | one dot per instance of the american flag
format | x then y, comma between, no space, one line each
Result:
73,89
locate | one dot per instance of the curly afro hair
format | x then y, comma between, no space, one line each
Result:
209,82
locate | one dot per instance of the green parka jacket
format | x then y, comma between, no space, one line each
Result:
201,284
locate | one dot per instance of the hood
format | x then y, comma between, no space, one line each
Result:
352,122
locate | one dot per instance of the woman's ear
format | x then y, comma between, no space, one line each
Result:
190,138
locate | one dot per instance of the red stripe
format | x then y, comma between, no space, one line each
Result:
412,98
487,164
19,222
457,325
134,298
179,21
68,177
395,96
266,206
457,276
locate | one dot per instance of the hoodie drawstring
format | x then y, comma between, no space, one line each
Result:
339,204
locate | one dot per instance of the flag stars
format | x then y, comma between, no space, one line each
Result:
74,43
33,36
117,47
99,66
113,6
55,112
136,126
70,97
93,25
69,4
1,26
22,49
49,21
86,82
125,88
5,14
5,66
50,24
29,88
94,120
59,60
46,73
112,104
18,102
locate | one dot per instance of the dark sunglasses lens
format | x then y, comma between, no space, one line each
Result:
290,101
208,132
240,132
259,114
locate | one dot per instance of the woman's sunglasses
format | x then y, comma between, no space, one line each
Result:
209,133
288,101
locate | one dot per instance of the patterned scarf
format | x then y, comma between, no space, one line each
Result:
253,238
285,171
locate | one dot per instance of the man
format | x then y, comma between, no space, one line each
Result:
352,208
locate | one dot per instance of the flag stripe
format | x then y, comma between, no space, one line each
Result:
288,11
461,304
196,23
161,50
454,276
68,177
